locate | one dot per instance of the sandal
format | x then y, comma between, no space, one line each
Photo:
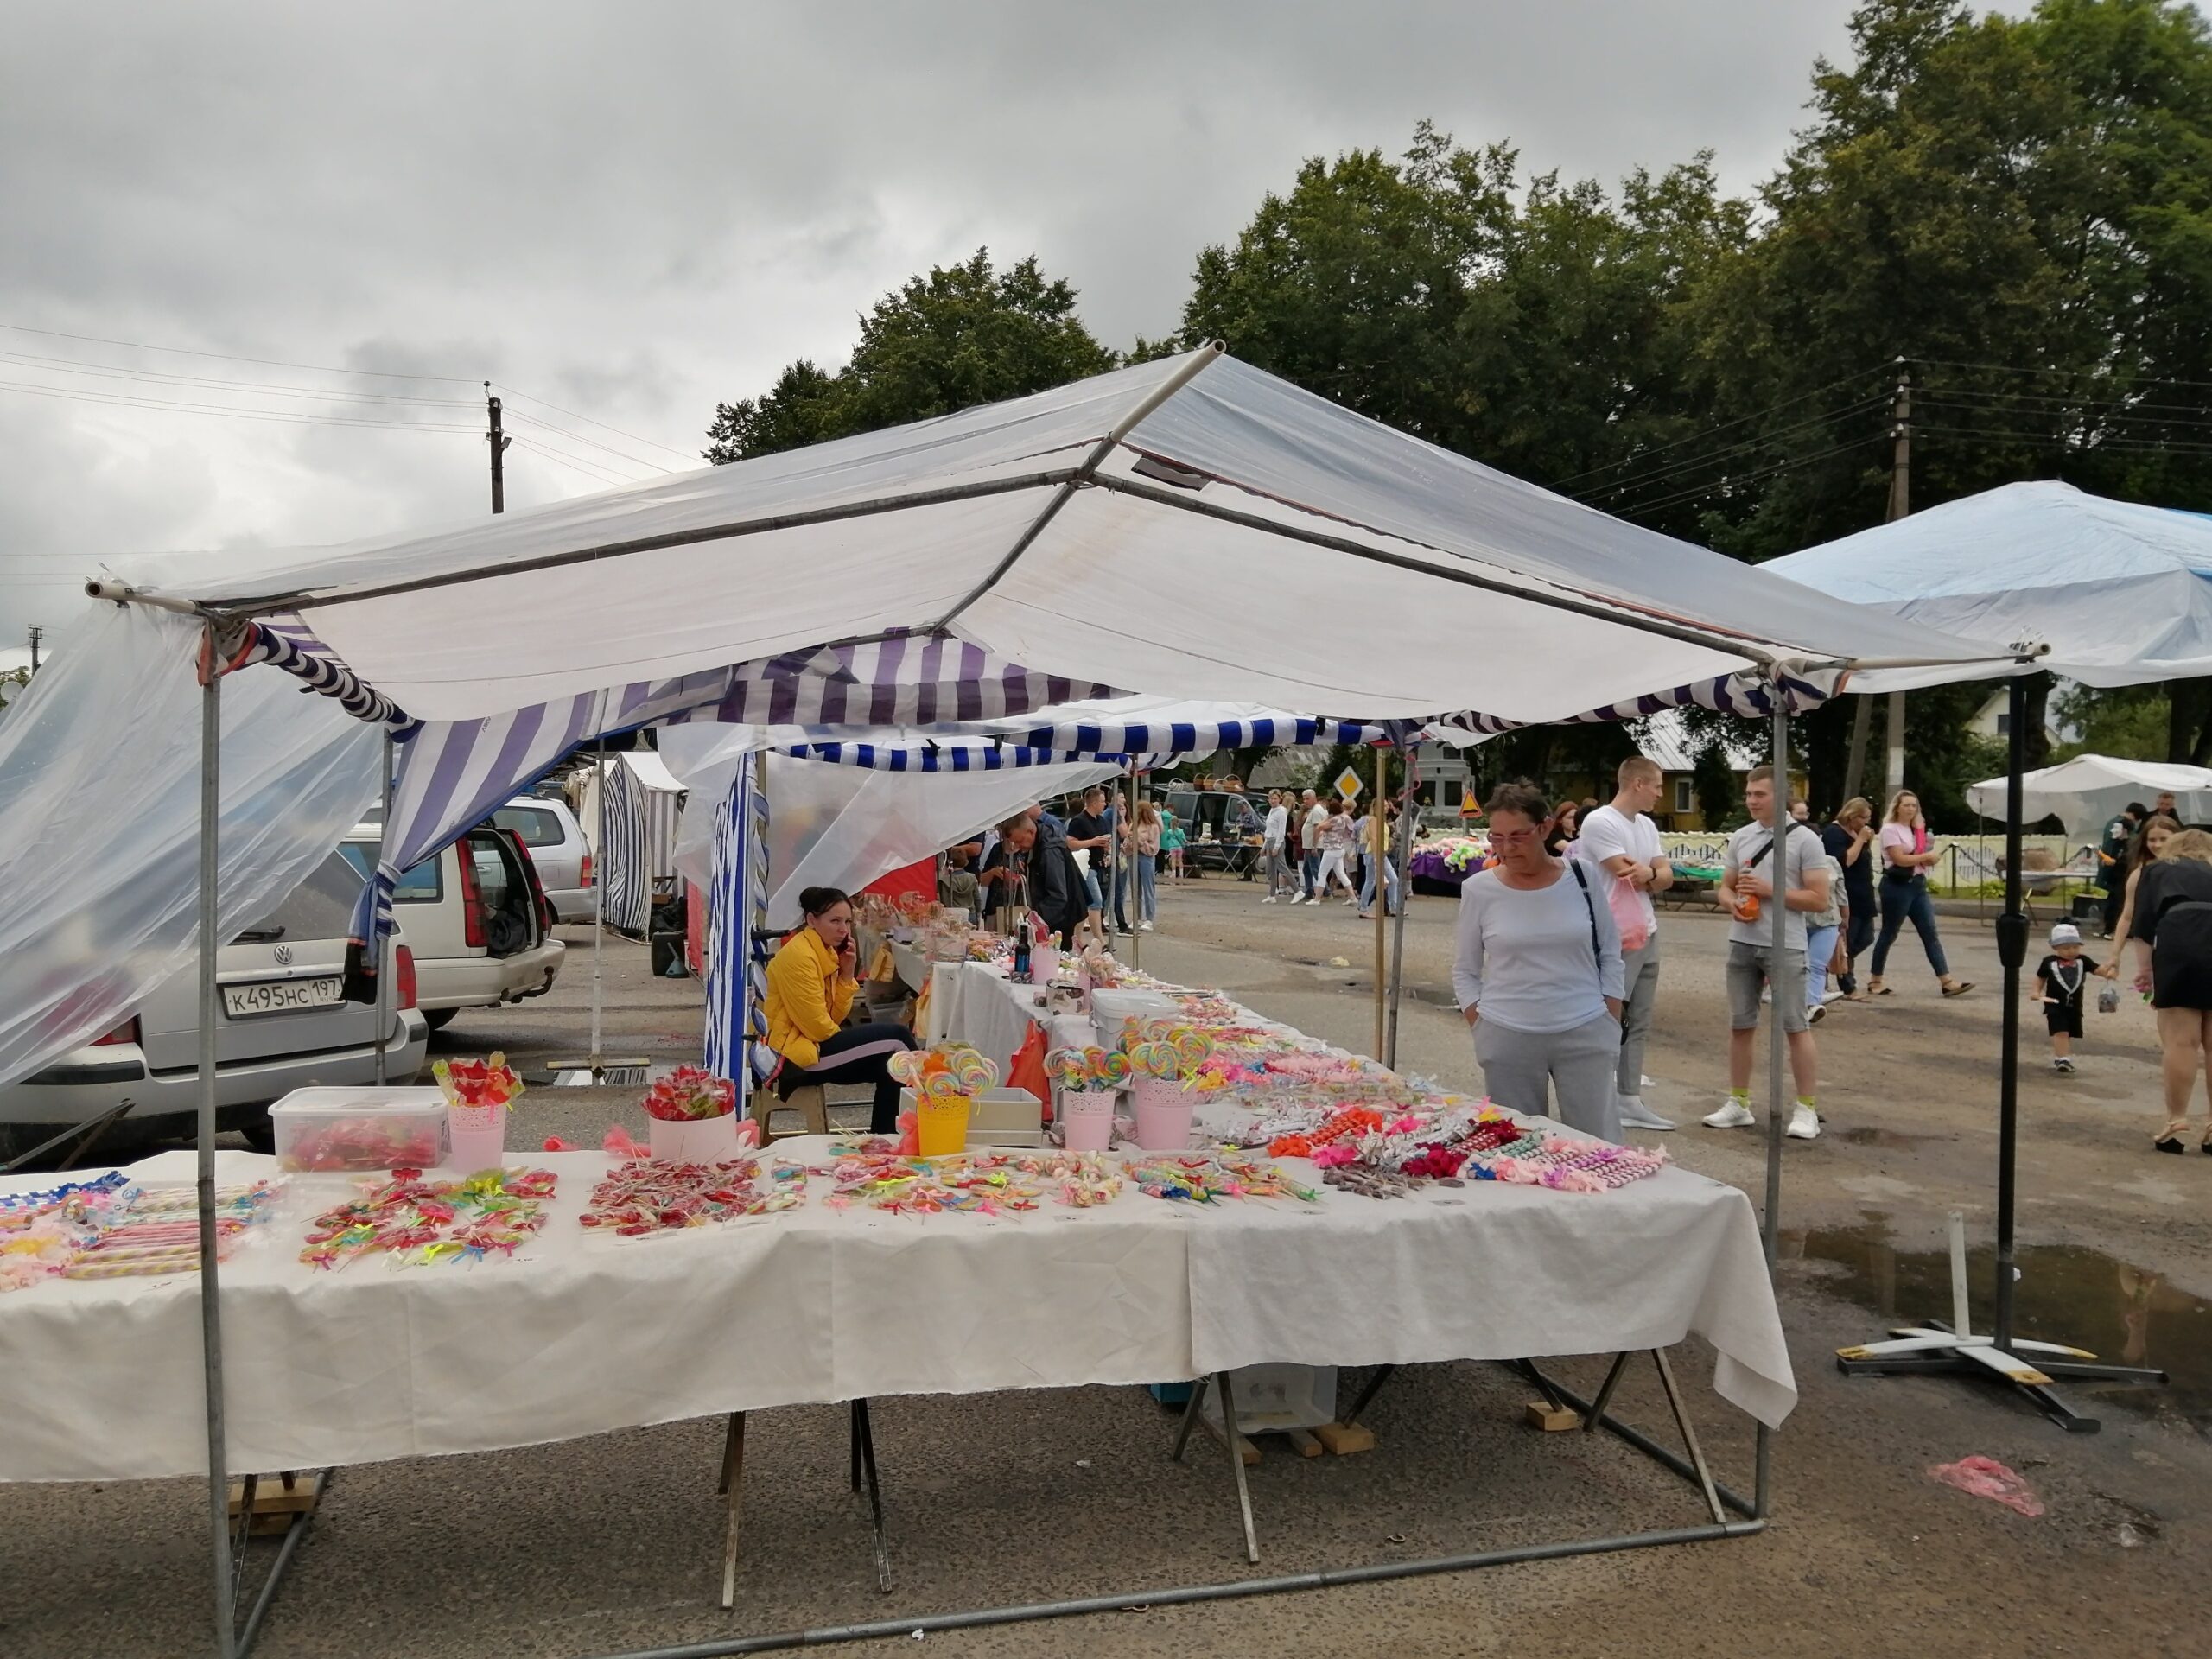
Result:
2170,1138
1954,986
1875,988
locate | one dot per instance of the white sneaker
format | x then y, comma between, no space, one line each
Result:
1349,903
1144,927
1733,1116
1643,1082
1270,898
1817,1013
1804,1124
1297,898
1635,1115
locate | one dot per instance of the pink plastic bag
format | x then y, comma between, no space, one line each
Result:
1623,899
1987,1478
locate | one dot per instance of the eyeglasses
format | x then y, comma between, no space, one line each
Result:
1511,837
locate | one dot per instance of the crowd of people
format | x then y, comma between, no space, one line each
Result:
1557,961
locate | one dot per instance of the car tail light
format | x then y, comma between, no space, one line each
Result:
125,1033
404,975
472,896
587,875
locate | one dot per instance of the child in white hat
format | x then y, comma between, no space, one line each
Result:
2060,978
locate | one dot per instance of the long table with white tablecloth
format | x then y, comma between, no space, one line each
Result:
581,1333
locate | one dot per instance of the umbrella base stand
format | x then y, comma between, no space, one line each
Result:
625,1071
2029,1368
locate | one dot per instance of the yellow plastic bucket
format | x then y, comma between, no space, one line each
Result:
941,1126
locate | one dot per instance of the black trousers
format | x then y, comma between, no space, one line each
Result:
857,1054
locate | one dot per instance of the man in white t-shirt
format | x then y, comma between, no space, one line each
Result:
1272,834
1618,839
1754,879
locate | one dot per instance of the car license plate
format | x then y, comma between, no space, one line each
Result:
280,997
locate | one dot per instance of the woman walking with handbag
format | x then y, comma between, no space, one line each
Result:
1906,856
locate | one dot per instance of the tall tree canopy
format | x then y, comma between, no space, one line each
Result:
963,334
2011,216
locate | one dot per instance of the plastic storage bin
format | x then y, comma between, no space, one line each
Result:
342,1129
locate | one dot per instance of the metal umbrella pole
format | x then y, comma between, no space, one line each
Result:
1135,900
599,909
1953,1349
211,1014
1770,1213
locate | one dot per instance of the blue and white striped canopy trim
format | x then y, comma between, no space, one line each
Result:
626,895
1195,737
1745,695
286,642
886,757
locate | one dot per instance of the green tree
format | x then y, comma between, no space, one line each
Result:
961,335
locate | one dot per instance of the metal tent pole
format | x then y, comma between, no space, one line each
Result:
211,1014
1376,845
376,943
1769,1218
1136,904
1403,864
598,908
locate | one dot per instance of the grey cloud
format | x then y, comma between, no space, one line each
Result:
634,212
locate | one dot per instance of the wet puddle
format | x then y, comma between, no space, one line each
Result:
2124,1314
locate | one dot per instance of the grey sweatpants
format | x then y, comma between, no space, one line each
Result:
1640,984
1522,1069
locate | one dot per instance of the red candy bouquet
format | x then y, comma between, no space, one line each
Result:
688,1094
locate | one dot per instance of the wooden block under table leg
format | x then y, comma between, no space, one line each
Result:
1552,1418
1345,1439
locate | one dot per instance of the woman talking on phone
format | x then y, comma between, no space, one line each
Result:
811,980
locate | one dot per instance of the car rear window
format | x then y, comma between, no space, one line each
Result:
537,826
417,885
321,907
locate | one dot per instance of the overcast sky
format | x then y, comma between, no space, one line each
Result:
631,212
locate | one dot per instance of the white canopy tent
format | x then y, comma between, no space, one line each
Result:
632,831
2121,594
842,826
1056,534
2085,792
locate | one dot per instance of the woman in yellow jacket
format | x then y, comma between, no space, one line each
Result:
811,980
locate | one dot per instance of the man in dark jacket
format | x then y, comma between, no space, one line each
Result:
2112,859
1056,888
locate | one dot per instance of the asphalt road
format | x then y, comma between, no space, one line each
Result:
611,1545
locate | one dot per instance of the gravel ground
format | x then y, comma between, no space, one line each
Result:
611,1544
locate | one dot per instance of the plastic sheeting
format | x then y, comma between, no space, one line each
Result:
1238,481
842,826
2087,792
2119,592
99,820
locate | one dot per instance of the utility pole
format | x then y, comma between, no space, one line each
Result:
37,633
498,442
1900,505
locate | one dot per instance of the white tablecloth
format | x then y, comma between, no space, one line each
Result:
584,1333
975,1003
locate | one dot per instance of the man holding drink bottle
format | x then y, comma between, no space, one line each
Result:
1752,878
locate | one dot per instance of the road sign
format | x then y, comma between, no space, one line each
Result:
1348,783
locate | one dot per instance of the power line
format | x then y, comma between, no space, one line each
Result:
2079,447
683,455
1739,480
598,477
1676,469
227,357
157,376
2085,373
1559,485
117,400
578,437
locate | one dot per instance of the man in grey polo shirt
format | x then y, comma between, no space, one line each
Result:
1749,884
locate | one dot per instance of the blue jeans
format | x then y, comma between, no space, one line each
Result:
1390,887
1147,888
1820,947
1903,901
1310,870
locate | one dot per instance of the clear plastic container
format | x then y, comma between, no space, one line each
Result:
339,1130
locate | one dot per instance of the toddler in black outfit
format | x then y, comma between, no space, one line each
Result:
2060,979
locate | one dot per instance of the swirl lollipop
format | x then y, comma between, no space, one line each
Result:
1111,1067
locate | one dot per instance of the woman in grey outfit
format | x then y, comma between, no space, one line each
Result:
1538,973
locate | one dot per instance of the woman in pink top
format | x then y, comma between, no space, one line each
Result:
1906,856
